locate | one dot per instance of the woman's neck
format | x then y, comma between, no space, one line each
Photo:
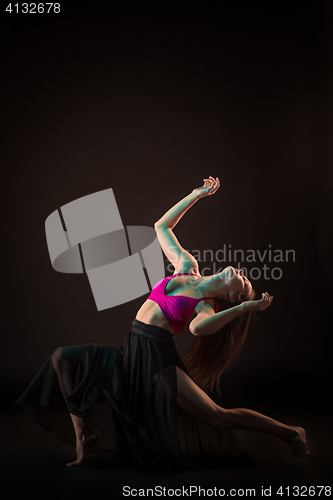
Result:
212,286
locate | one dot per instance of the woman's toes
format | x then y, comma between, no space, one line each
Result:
71,464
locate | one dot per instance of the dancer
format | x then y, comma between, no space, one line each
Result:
145,380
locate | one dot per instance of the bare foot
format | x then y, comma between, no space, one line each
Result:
299,446
83,445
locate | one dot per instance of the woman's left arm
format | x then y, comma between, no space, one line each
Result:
208,322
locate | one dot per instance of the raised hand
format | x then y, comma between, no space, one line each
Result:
259,305
210,186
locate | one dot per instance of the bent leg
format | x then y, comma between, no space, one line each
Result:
197,403
65,361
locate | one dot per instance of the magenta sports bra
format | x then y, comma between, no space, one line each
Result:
176,308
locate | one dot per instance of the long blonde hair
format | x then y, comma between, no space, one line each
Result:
211,355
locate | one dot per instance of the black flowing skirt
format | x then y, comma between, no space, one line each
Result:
130,395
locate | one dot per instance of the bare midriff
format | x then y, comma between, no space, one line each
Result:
151,314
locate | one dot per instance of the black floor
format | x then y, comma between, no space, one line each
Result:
33,462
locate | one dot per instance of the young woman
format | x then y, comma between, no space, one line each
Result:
146,382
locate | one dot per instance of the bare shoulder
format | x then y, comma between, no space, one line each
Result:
188,264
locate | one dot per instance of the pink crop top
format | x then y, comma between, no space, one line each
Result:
176,308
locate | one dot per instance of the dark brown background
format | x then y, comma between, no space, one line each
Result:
149,100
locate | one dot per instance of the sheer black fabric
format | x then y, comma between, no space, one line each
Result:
129,393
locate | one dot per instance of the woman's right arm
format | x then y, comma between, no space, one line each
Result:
208,322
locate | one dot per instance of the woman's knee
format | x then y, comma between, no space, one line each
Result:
57,357
61,356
